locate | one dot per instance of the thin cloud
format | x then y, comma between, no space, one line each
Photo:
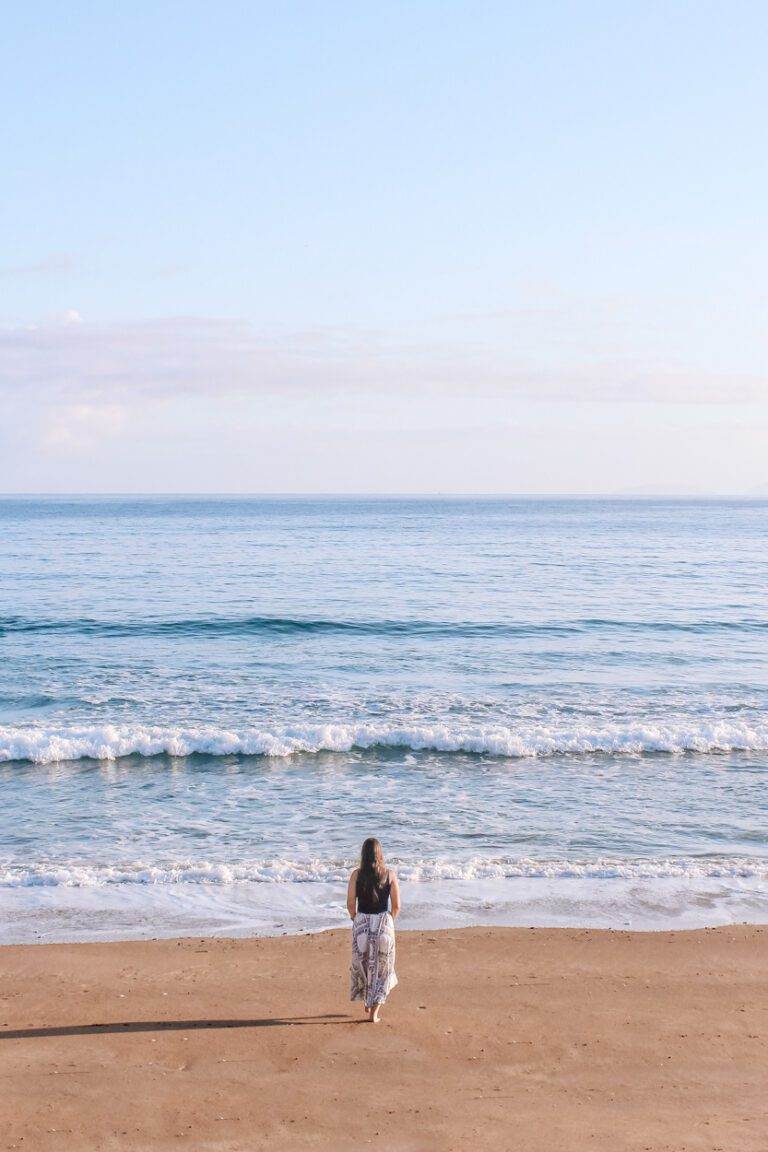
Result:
79,362
50,266
75,428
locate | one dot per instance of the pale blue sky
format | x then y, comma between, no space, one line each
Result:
489,247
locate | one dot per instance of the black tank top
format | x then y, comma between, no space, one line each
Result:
374,907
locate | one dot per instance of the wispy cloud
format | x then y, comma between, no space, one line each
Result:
80,427
50,266
80,363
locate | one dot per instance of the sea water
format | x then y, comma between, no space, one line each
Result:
549,711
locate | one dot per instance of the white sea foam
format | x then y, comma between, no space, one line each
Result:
283,871
45,745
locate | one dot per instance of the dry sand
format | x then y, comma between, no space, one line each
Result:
496,1039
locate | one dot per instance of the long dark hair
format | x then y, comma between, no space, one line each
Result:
373,871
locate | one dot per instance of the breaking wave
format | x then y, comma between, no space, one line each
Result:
275,871
45,745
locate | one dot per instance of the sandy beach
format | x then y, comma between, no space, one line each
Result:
496,1039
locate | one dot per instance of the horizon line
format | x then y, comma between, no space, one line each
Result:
437,495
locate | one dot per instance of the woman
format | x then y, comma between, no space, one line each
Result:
372,888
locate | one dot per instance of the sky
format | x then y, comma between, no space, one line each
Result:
435,246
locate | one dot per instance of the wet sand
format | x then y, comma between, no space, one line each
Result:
524,1039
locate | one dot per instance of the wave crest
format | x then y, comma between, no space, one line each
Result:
212,626
44,745
277,871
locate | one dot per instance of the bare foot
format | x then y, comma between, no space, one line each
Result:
375,1015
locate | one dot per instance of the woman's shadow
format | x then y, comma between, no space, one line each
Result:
124,1026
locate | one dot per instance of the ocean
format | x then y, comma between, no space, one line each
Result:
550,711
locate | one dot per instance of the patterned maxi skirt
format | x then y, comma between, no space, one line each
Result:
372,971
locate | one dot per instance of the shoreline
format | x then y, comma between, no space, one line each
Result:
64,914
544,1039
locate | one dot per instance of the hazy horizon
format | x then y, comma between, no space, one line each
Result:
206,495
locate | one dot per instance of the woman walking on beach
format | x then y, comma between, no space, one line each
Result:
372,889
